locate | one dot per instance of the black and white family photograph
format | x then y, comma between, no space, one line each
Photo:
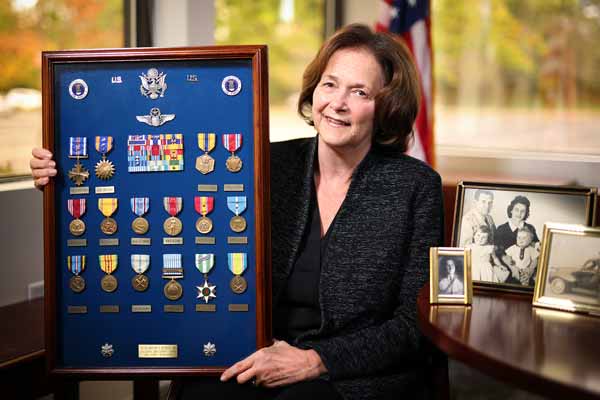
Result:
503,228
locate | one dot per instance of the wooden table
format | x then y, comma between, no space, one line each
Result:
553,353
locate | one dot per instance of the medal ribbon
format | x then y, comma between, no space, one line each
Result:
236,204
76,264
205,262
107,206
172,205
104,144
76,207
206,141
140,262
237,262
204,204
77,146
232,141
108,263
140,205
172,266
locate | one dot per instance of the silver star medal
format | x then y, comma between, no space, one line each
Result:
153,84
155,118
107,350
209,349
206,292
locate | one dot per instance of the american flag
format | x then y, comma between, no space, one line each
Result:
411,20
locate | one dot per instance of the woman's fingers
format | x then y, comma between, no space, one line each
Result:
40,153
43,172
36,163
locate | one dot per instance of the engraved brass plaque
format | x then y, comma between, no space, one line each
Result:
109,242
237,240
176,308
175,240
141,241
206,307
104,189
145,308
205,240
157,351
79,190
233,187
208,188
77,309
76,242
238,307
109,309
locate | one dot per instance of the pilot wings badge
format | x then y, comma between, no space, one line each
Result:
155,118
153,84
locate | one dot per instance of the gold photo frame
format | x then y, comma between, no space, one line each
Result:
568,276
450,275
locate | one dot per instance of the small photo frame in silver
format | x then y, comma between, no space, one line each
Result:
569,273
450,275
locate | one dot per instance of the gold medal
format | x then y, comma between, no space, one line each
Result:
233,163
108,226
77,227
205,164
140,282
173,290
105,169
204,225
78,174
173,226
140,225
109,283
237,224
238,284
77,284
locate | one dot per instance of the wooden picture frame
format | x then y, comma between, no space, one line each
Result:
568,278
450,276
489,217
89,93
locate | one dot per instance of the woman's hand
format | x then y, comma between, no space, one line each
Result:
277,365
42,167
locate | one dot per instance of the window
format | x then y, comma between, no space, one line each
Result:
517,78
293,30
28,27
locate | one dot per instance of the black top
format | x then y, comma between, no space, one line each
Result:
298,311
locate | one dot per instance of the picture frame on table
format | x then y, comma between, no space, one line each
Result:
450,276
502,224
568,277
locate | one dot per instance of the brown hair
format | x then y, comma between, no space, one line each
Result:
396,105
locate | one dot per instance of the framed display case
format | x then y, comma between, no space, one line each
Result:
157,225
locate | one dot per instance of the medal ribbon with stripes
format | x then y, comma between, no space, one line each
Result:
204,204
236,204
172,267
172,205
140,262
76,207
78,147
108,263
237,262
76,264
140,205
206,141
205,262
107,206
104,145
232,141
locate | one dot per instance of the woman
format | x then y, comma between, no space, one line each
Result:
518,212
352,222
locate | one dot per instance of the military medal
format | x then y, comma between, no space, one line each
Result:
204,205
204,263
76,265
232,142
76,209
107,207
172,269
140,264
78,150
153,84
237,205
108,264
237,265
104,168
139,206
173,225
206,142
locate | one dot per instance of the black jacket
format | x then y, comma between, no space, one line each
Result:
376,261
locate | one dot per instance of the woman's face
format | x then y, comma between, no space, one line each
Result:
518,212
344,100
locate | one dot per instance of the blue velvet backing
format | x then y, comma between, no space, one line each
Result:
110,109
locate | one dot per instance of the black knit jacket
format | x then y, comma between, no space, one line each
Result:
376,261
